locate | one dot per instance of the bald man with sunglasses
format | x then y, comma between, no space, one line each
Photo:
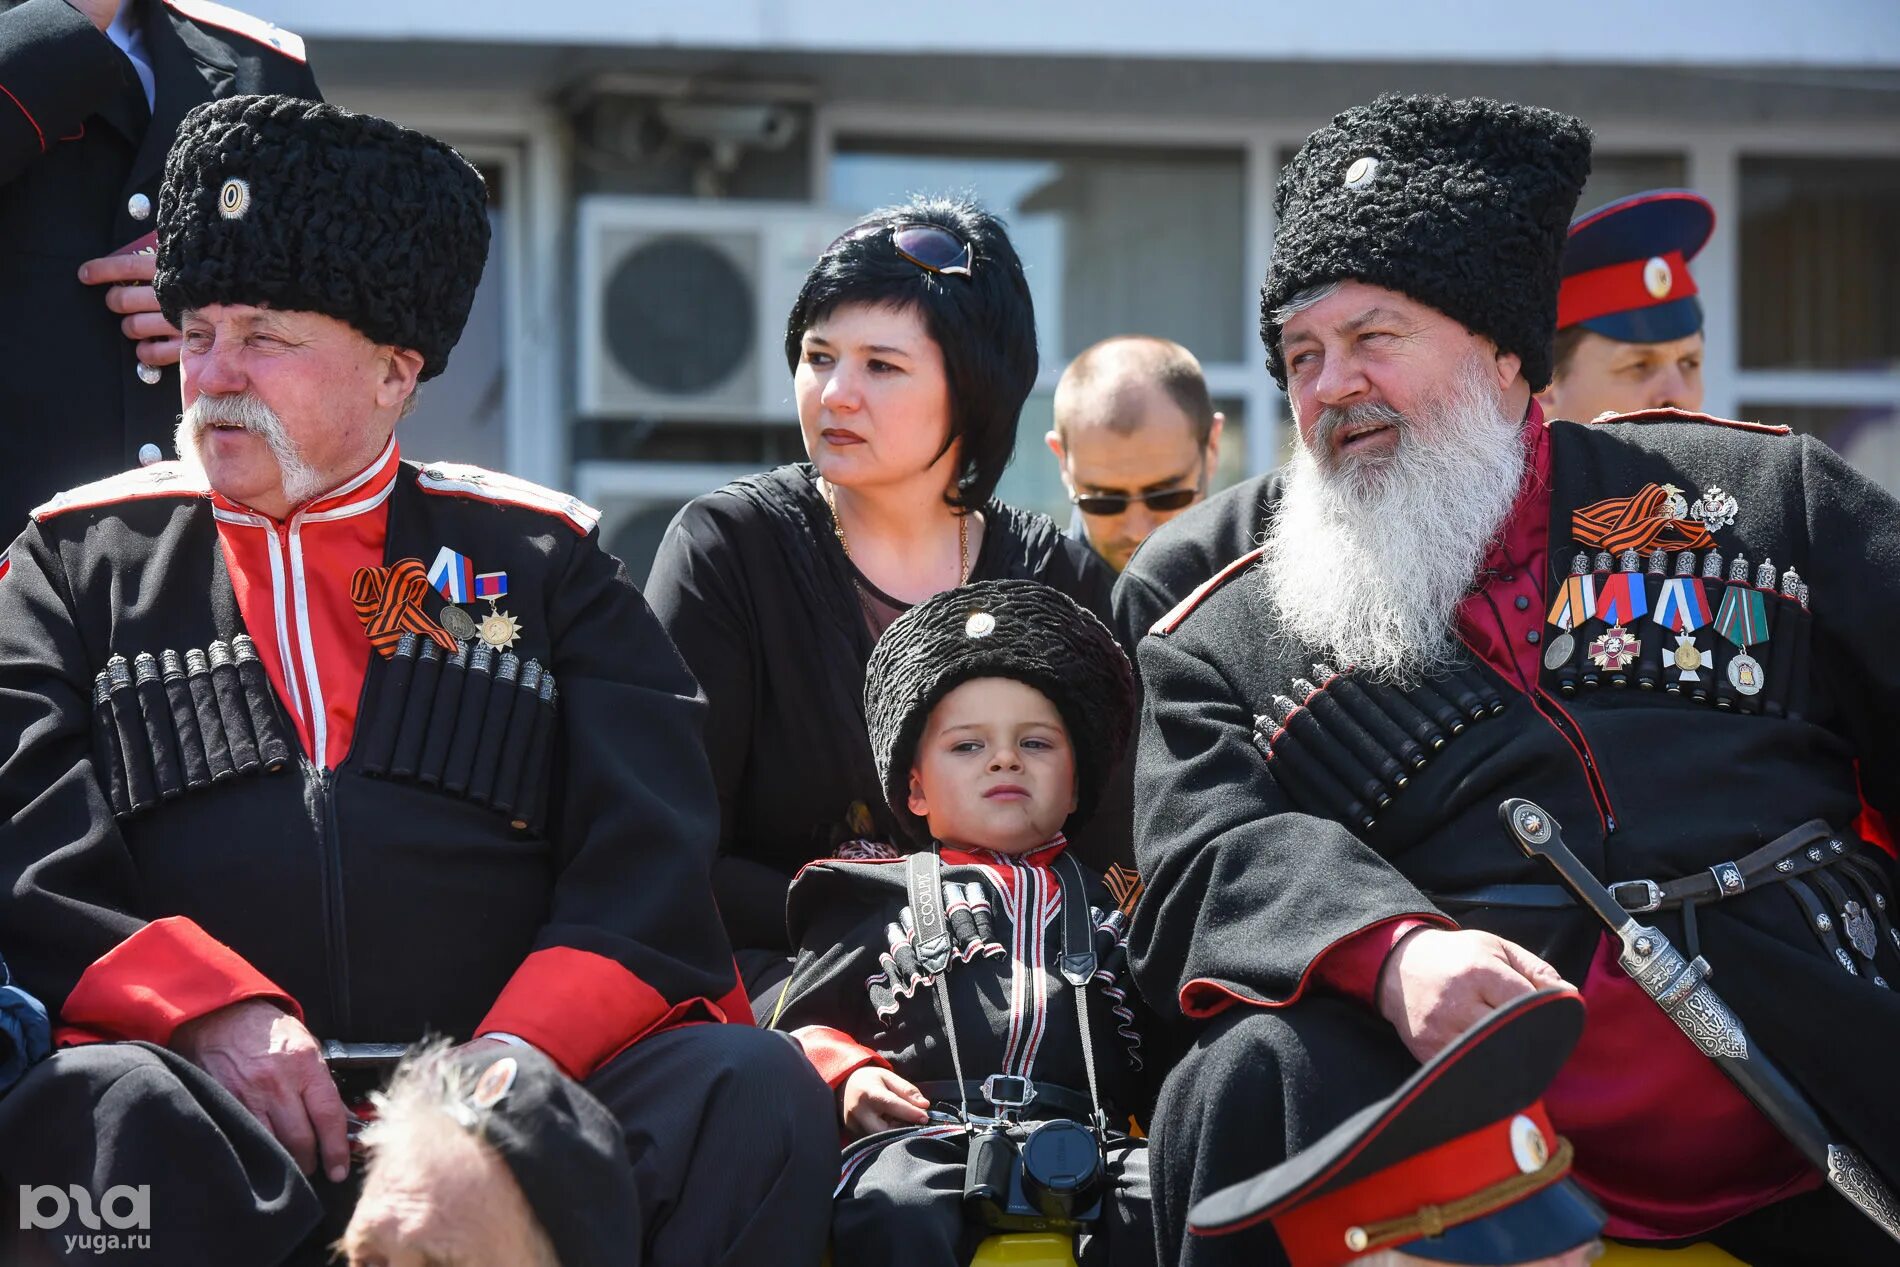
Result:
1136,437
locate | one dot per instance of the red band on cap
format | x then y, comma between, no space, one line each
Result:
1314,1232
1621,287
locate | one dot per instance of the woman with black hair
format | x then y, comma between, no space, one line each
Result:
912,346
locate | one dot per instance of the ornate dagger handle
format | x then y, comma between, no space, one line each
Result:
1680,988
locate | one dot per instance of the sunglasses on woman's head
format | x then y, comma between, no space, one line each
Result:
930,247
1116,503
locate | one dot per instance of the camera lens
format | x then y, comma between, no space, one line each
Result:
1062,1168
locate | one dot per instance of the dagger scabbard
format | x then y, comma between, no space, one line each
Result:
1681,989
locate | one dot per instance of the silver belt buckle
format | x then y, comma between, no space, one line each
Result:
1008,1091
1652,895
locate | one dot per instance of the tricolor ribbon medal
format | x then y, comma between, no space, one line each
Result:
1683,608
1620,599
1576,602
1743,620
453,574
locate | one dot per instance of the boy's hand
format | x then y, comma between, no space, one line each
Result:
878,1100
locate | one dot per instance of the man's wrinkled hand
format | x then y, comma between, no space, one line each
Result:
876,1100
1436,984
273,1065
129,292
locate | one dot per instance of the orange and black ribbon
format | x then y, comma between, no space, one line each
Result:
1637,523
389,603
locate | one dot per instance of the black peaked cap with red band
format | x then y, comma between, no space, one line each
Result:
1468,1125
1626,267
1017,629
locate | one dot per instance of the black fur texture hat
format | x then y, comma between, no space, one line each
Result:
1461,204
1016,629
293,204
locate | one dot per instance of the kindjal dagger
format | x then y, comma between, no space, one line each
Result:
1681,989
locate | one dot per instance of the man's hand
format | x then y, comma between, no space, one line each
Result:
878,1100
267,1059
130,293
1436,984
98,12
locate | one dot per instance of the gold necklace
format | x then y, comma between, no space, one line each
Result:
837,528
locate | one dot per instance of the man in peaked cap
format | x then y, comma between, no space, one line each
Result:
1629,325
1459,1164
312,744
1459,602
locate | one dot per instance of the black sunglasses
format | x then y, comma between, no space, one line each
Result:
1116,503
928,246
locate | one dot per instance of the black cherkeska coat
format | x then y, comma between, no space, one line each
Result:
78,146
754,589
1190,549
1250,880
899,1192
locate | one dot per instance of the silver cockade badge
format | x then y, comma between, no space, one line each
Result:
1716,509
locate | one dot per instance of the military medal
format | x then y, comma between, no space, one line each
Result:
1743,620
1683,607
1615,648
460,624
498,629
1689,658
1575,603
1558,650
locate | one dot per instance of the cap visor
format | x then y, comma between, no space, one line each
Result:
1542,1225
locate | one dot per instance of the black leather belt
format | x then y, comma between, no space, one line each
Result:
1022,1097
1809,847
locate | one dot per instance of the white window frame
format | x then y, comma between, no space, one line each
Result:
526,140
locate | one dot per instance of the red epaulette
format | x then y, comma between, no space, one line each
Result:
456,479
1685,415
206,13
1168,623
160,479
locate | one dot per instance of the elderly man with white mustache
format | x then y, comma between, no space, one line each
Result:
1461,601
310,744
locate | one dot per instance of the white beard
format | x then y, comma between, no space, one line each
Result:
1370,559
300,480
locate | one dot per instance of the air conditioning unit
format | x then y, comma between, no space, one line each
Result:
683,304
637,500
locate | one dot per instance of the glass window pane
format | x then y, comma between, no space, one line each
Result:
1866,435
1820,242
1115,241
461,414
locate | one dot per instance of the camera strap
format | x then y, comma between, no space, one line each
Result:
1078,969
923,877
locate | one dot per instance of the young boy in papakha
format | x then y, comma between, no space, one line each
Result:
996,713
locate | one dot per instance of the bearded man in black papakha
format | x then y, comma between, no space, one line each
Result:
312,743
1460,601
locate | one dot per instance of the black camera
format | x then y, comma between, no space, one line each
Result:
1040,1177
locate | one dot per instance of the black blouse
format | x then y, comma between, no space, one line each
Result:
753,587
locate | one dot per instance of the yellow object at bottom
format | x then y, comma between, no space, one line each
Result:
1025,1249
1703,1255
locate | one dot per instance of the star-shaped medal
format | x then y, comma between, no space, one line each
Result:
498,629
1615,648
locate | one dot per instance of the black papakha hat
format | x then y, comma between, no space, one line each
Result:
1461,204
564,1148
1015,629
293,204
